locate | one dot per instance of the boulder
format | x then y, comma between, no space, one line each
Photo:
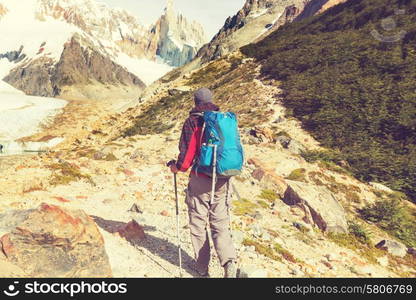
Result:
284,141
178,90
319,205
296,147
53,242
393,247
267,177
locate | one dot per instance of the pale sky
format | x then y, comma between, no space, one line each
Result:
210,13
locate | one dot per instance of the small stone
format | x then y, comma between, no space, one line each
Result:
257,230
327,264
251,249
257,215
330,257
139,196
165,213
275,213
128,172
392,247
99,155
238,237
266,237
62,199
383,261
135,208
132,231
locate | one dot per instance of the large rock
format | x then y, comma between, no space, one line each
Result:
53,242
393,247
319,205
267,177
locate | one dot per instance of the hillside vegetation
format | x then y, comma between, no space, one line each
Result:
352,90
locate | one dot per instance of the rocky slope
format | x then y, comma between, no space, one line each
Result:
256,20
112,41
79,65
115,172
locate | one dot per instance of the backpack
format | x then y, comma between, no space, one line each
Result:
221,145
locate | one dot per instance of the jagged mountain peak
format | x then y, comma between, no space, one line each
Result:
178,38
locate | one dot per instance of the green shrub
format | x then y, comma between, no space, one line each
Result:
297,175
350,241
244,207
262,249
269,195
312,156
65,173
394,217
264,204
359,232
284,253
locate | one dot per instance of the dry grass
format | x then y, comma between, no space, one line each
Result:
65,173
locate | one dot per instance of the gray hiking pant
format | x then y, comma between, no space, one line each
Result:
216,215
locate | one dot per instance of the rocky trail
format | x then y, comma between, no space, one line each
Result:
291,220
126,183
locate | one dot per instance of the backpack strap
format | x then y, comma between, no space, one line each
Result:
199,114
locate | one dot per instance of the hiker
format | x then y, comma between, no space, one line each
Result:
201,211
1,148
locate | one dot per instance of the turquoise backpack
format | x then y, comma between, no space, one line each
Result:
222,149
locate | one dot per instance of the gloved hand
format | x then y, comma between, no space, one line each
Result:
172,165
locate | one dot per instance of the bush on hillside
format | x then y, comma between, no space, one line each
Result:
394,217
354,93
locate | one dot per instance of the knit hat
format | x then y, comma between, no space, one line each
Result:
203,95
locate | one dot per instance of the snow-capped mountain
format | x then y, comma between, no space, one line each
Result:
178,39
48,45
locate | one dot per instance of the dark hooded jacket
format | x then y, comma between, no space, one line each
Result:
191,137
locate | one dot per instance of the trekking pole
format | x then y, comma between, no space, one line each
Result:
214,174
177,219
229,207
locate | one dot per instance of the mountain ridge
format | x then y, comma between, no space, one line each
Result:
112,33
256,20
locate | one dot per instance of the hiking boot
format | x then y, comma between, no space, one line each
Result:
202,272
230,269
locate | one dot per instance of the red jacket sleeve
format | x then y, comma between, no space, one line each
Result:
189,145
